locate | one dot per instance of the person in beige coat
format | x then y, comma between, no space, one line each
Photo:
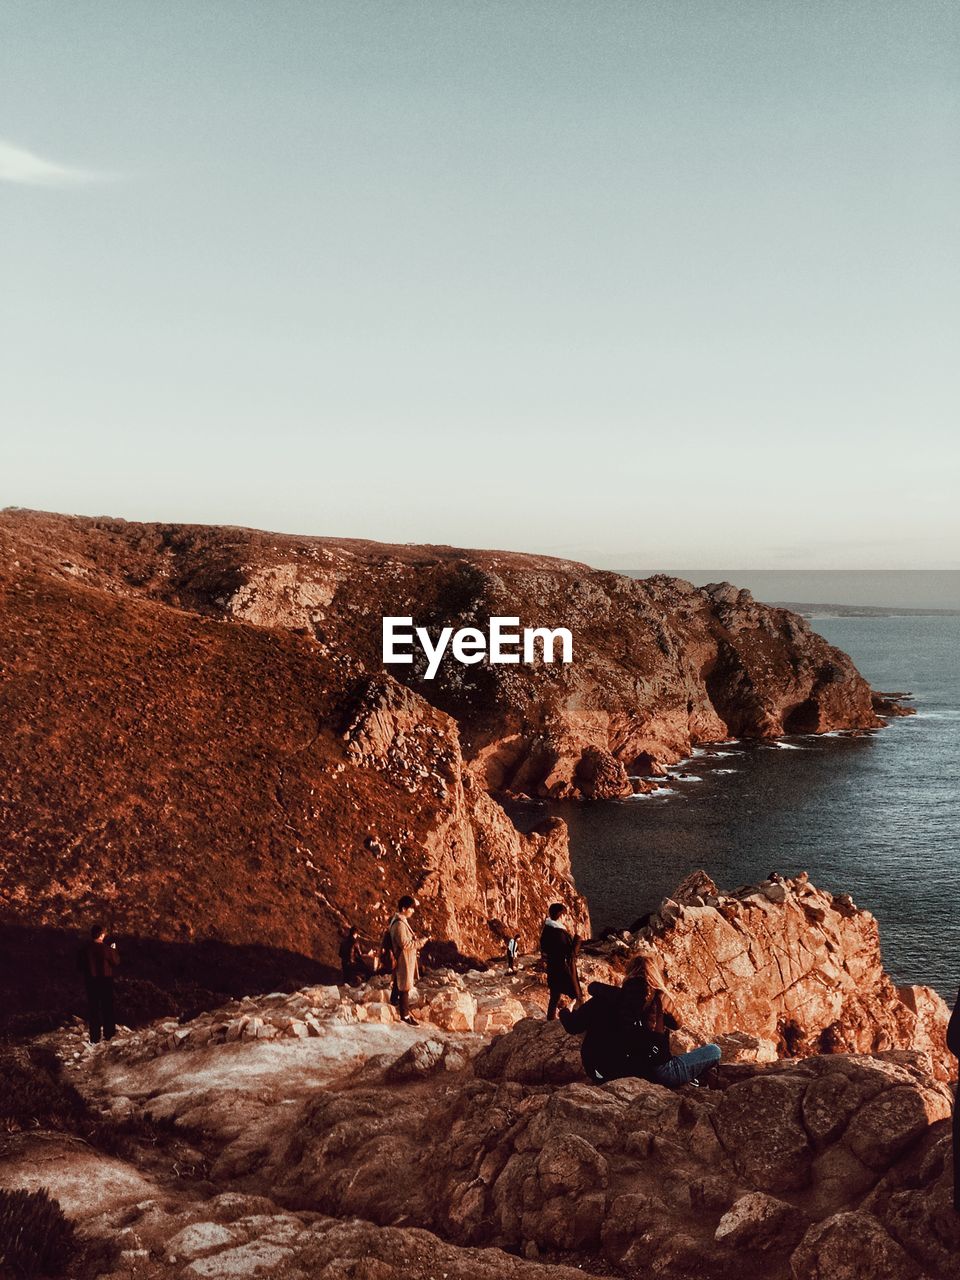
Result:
403,944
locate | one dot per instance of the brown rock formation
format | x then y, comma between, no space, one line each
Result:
795,967
659,665
342,1146
745,1182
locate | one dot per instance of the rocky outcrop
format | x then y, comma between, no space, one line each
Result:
748,1180
287,1131
784,969
659,665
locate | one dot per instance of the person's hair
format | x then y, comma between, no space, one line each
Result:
406,902
645,978
97,929
556,910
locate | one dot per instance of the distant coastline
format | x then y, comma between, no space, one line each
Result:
861,610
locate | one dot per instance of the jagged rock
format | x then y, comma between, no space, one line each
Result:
760,1222
496,1015
803,973
533,1053
198,1239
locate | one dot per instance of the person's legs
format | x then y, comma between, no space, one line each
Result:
394,992
106,1008
956,1152
554,1004
405,1013
685,1067
94,1016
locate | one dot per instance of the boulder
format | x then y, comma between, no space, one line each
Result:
452,1009
421,1059
852,1246
758,1222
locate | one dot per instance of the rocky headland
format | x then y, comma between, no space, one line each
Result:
198,737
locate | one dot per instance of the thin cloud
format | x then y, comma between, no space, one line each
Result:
23,167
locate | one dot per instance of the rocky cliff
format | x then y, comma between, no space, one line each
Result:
198,737
660,665
184,777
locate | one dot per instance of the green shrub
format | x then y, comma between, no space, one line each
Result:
35,1237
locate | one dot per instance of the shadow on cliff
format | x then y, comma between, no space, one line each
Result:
40,986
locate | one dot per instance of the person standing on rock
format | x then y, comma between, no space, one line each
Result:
403,945
98,961
559,949
353,958
513,946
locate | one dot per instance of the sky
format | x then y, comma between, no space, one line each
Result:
638,283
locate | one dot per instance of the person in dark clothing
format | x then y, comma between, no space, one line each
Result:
626,1033
98,961
559,950
513,946
353,958
953,1044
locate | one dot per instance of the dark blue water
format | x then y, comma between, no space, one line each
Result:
877,816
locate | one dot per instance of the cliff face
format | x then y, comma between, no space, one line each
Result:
184,776
659,665
198,736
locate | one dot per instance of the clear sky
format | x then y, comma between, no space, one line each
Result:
641,283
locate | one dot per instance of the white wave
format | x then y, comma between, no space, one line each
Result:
686,777
726,771
789,746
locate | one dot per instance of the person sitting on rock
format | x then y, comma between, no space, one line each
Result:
559,950
403,944
626,1033
354,961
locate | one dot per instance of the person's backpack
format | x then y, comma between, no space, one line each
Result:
647,1050
644,1049
388,957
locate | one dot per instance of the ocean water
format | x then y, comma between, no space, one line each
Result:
876,816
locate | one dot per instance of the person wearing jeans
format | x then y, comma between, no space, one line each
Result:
684,1068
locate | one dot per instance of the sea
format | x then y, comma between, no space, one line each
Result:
876,816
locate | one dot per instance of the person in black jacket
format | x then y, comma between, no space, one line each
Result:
98,961
953,1044
626,1032
559,949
